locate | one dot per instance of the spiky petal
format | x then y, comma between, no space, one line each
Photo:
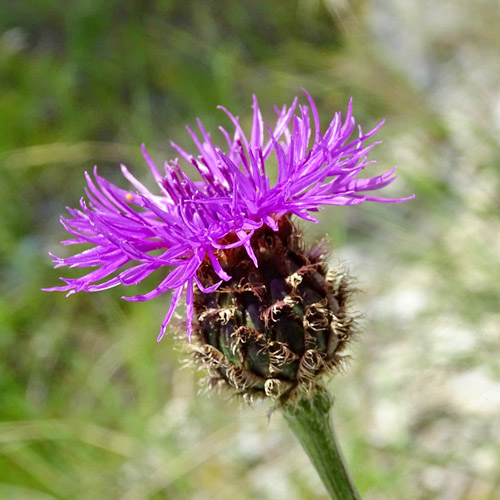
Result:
134,233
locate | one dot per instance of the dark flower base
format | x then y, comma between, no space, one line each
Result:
273,329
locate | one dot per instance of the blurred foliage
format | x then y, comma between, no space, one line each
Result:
91,407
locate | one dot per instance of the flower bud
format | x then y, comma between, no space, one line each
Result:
272,330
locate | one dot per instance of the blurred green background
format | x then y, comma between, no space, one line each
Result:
91,407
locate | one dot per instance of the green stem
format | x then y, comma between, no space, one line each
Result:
309,419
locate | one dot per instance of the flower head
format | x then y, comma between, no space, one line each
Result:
190,223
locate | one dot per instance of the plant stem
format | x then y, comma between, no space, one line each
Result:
309,419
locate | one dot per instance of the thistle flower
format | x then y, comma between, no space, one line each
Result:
264,314
205,232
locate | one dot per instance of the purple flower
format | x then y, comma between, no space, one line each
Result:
134,233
